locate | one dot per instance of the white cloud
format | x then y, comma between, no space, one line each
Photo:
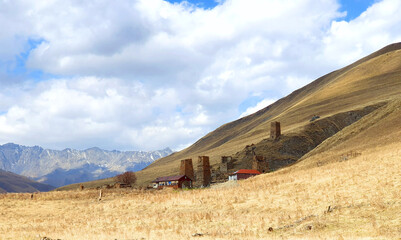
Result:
376,27
147,74
260,105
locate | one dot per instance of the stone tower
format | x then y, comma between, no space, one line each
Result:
260,163
203,174
275,130
187,169
226,163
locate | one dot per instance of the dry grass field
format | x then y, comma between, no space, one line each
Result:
363,193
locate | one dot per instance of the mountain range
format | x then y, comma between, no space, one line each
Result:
63,167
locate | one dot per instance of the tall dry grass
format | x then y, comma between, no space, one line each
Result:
363,194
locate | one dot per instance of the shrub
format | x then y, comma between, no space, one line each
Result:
127,178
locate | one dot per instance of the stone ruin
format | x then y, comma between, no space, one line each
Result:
260,163
203,174
275,130
226,164
187,169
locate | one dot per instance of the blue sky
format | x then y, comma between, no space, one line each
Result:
353,7
207,4
144,75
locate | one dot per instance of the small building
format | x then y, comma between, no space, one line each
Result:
243,174
179,181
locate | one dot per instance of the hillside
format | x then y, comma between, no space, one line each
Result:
11,182
373,80
367,84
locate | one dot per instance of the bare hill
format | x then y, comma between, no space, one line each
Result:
11,182
375,79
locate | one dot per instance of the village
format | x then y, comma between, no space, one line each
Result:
204,176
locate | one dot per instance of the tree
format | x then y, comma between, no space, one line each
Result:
127,178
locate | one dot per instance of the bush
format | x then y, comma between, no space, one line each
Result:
127,178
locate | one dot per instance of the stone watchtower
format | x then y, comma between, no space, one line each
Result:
260,163
275,130
226,163
187,169
203,174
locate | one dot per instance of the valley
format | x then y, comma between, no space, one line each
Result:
336,177
352,199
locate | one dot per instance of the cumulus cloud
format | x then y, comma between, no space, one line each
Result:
373,29
260,105
105,112
147,74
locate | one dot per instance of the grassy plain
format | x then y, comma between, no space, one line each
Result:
363,193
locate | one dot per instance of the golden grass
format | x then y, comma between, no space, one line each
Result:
363,192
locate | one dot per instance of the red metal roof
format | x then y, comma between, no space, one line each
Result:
247,171
169,178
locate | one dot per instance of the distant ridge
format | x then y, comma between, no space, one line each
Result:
11,182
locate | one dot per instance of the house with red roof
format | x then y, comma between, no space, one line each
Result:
243,174
179,181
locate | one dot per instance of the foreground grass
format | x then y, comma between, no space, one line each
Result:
363,194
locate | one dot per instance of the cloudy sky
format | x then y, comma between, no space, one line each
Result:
150,74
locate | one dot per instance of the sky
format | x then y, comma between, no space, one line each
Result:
150,74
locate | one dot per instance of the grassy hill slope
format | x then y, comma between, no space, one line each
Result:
369,81
11,182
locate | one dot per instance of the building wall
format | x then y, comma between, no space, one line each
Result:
241,176
174,184
161,186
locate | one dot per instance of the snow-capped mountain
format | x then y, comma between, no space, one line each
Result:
58,168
